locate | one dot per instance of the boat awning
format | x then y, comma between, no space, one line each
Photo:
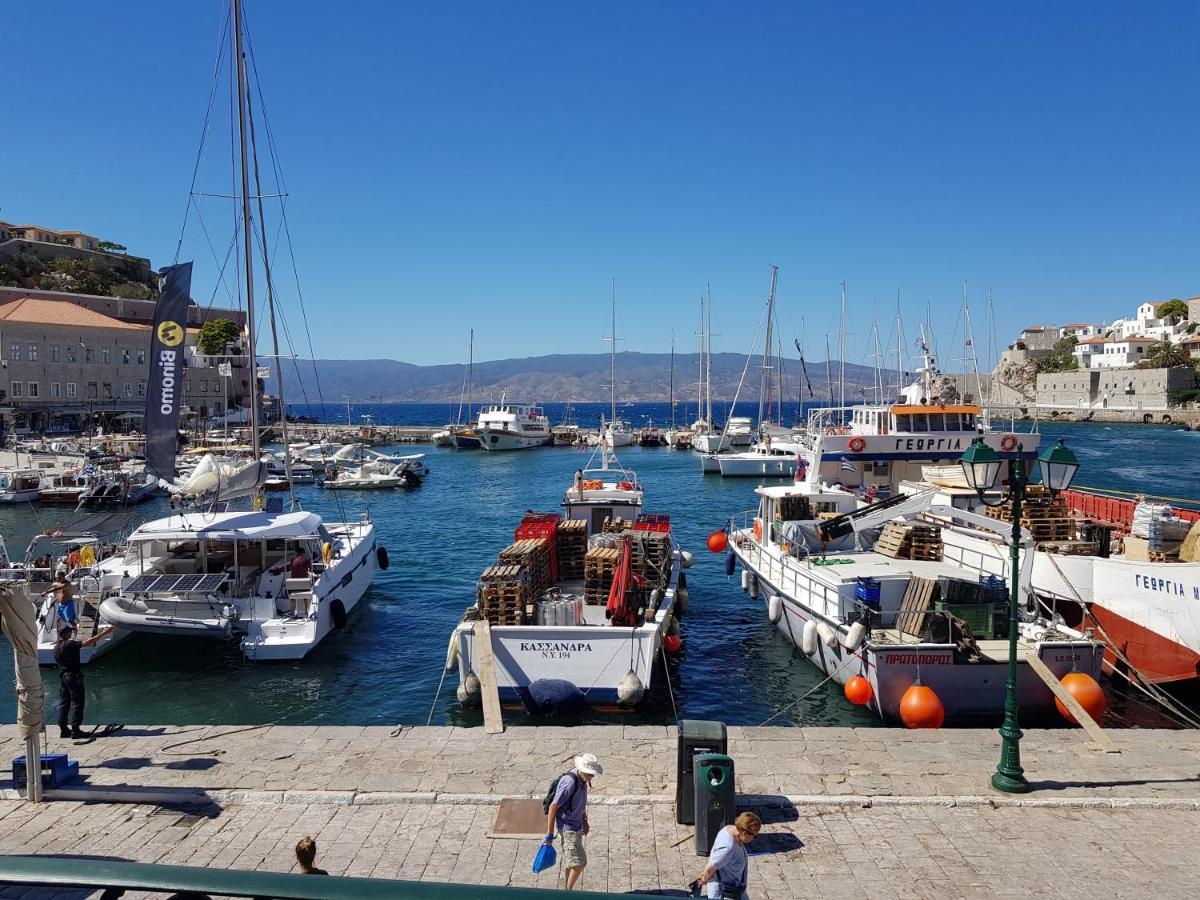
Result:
234,526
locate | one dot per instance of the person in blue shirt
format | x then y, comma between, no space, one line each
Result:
568,813
728,866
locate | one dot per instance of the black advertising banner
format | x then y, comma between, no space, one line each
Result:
164,392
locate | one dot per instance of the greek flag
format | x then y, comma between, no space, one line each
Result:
848,466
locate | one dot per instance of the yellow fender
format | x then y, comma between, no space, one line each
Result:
327,552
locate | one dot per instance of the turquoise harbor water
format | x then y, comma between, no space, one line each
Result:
385,666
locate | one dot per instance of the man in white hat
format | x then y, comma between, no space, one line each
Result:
568,813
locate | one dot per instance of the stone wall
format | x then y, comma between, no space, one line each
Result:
1120,389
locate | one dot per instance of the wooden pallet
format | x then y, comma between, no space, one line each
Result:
600,565
901,540
571,548
919,597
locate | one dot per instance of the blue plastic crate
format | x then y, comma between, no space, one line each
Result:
56,768
867,590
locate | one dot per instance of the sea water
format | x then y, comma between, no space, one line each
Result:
385,666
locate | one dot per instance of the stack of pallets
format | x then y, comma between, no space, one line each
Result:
505,595
1046,518
616,525
907,540
599,567
532,555
651,554
572,548
919,596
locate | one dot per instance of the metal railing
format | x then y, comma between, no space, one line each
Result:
114,877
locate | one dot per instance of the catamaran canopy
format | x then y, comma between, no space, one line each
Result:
232,526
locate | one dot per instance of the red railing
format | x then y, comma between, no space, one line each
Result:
1112,510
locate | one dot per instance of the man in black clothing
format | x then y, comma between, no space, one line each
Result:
70,678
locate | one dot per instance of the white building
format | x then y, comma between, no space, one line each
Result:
1082,330
1148,324
1112,353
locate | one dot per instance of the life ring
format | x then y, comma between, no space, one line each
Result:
758,529
381,557
327,552
1009,443
337,612
856,444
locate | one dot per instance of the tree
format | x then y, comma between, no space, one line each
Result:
215,334
1175,310
110,247
1165,355
1061,358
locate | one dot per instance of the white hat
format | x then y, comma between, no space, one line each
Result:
588,764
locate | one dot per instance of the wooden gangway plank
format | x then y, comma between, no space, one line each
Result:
1102,740
493,719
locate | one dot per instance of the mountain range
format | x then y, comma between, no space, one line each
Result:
641,377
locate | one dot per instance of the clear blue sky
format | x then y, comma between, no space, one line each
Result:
493,164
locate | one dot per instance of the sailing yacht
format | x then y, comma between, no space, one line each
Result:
447,437
708,437
219,573
615,432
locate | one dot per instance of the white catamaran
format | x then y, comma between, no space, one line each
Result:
218,573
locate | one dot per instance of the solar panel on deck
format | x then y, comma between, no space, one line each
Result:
188,582
165,583
141,583
210,583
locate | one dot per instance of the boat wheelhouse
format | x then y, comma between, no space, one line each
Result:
513,426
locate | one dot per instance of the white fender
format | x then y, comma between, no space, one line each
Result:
685,559
746,580
854,639
682,599
808,638
452,651
468,692
630,689
828,634
775,608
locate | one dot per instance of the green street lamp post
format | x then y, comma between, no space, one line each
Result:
981,467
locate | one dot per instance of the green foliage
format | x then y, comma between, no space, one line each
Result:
1165,355
110,247
1173,309
215,334
107,276
1061,358
1191,396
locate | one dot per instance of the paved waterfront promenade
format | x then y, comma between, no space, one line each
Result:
850,812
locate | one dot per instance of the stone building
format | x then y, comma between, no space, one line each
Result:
64,367
1126,389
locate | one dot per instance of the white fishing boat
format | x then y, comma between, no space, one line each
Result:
513,426
378,475
20,486
617,433
854,611
563,636
219,575
767,459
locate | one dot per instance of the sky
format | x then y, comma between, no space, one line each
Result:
495,166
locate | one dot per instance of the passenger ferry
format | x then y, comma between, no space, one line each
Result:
513,426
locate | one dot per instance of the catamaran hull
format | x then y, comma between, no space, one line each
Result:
112,640
973,692
498,439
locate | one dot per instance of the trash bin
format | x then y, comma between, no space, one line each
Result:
695,736
715,797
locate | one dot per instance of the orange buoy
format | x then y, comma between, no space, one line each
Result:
673,643
1087,692
718,541
920,707
858,691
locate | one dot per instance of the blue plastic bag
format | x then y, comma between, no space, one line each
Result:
546,857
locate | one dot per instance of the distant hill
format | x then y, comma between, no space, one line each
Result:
641,377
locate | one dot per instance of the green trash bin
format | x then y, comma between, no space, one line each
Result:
715,797
696,736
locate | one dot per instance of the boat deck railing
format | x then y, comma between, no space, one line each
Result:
114,877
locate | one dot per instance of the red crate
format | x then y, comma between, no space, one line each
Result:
542,526
652,522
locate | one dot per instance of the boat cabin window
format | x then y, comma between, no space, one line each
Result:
937,422
968,421
904,423
920,423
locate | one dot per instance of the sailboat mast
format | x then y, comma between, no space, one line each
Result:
971,344
700,383
247,235
613,365
766,381
470,375
899,351
842,355
708,382
672,398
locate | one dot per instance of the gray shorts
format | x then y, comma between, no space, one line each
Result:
573,854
